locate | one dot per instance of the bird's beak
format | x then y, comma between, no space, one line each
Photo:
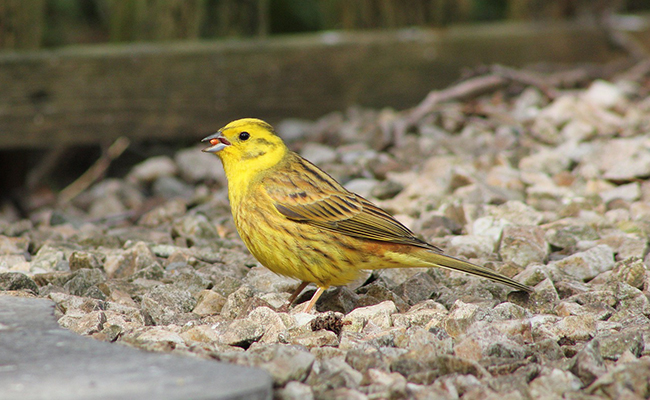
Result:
218,142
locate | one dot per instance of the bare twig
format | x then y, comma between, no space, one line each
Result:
95,171
464,90
637,72
526,78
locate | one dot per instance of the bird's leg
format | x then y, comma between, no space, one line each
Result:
293,297
297,292
314,298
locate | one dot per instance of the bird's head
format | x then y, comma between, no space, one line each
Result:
246,144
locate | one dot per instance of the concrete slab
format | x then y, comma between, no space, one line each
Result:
41,360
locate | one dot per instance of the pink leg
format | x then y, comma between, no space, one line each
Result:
314,299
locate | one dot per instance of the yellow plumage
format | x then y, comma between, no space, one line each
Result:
299,222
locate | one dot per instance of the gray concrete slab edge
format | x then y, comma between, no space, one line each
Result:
41,360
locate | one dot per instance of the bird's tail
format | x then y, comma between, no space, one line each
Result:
431,258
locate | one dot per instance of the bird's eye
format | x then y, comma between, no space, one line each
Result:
244,136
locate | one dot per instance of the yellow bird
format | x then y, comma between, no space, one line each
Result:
300,222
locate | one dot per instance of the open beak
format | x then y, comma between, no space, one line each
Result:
218,142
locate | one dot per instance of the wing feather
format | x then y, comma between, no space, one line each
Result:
315,198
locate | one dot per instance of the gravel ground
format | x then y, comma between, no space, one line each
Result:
554,192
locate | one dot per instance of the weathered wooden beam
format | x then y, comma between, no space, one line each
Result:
88,94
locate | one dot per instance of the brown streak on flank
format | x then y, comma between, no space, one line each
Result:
262,215
343,244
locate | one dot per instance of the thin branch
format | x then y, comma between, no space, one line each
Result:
95,172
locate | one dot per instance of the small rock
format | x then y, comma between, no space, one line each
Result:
364,187
333,374
418,288
379,314
201,334
316,339
155,338
576,327
263,280
460,318
428,313
508,311
588,365
196,229
625,245
49,259
17,281
294,391
587,264
523,245
171,187
549,161
363,359
554,383
82,280
433,339
629,192
272,323
340,299
567,233
382,384
238,302
630,160
195,166
545,297
152,169
378,292
81,259
578,131
242,333
629,380
473,246
209,303
605,94
14,263
483,340
284,363
13,245
106,206
86,324
516,213
136,259
163,302
191,281
163,214
318,153
631,271
126,317
386,190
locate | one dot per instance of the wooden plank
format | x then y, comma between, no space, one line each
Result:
96,93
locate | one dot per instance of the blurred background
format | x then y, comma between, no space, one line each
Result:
122,80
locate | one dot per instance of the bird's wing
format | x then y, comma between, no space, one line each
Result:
308,195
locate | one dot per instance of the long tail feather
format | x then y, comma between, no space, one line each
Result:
455,264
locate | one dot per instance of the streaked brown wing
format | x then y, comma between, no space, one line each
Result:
309,195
